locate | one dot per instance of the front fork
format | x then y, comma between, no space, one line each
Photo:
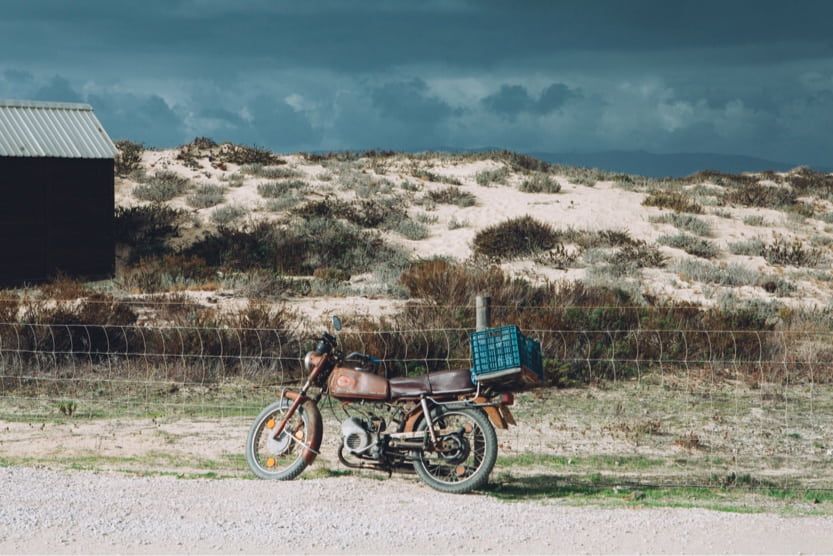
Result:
302,396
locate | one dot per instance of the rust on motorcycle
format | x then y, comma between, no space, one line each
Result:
507,415
316,429
493,413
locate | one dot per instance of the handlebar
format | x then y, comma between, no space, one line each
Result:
363,357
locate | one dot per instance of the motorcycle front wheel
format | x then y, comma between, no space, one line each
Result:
281,458
465,453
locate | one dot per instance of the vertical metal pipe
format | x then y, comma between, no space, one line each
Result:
483,311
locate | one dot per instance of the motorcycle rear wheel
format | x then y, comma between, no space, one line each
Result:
281,459
463,460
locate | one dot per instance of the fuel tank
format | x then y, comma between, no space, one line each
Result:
350,384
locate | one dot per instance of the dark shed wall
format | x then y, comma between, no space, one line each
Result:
56,216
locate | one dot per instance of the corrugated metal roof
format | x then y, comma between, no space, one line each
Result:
52,129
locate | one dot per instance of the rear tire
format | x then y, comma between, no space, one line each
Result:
259,461
438,471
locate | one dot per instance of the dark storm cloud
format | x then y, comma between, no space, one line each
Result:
410,102
57,89
512,100
740,77
279,125
368,35
145,118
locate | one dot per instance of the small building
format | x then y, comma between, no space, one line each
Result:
56,193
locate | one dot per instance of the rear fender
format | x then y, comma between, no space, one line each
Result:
495,415
316,427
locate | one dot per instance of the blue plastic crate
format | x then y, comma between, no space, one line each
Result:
504,354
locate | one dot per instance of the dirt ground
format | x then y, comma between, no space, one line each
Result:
47,511
656,431
637,466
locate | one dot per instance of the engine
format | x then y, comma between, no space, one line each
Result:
360,437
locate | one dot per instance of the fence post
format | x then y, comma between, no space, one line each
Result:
483,311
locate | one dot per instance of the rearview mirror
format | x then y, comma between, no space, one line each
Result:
336,324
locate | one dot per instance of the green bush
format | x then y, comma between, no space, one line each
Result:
276,189
287,202
640,253
729,275
452,195
692,245
540,183
270,172
515,237
162,187
686,223
411,229
490,177
749,248
206,196
454,224
755,220
227,215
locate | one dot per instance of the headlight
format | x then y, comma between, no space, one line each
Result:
308,360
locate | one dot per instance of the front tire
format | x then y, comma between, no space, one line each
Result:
281,459
465,458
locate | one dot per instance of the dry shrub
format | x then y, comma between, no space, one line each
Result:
692,245
515,237
673,200
809,182
162,187
587,333
297,249
722,178
423,174
64,288
331,275
206,196
540,183
166,273
754,194
452,195
129,157
782,251
689,441
90,343
243,154
146,230
367,213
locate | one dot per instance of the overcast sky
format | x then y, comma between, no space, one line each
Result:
750,78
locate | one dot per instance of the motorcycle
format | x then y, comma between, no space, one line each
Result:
440,424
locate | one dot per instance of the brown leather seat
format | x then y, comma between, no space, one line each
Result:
441,383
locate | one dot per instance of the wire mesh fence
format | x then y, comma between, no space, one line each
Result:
748,403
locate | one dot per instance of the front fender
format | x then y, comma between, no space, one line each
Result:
316,426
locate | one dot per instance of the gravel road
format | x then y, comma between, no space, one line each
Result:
53,511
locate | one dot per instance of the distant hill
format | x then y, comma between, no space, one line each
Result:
659,165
